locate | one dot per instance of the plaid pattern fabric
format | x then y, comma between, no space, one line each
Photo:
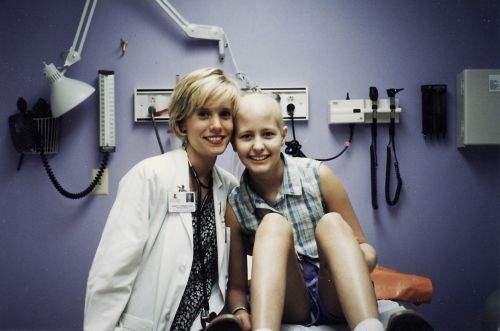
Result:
299,200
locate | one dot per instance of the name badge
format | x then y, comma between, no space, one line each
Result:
181,202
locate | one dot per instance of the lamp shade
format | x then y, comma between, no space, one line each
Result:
66,93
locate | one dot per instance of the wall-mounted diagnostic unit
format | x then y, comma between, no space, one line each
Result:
360,111
159,99
478,107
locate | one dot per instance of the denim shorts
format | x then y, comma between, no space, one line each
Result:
319,314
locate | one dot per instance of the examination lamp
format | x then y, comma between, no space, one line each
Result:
67,93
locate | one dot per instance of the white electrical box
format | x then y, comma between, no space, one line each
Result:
159,99
297,96
478,107
360,111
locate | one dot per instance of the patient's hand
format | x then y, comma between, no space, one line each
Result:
370,255
245,319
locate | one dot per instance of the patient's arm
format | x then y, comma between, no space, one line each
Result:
337,200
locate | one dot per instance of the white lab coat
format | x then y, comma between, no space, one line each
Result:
143,261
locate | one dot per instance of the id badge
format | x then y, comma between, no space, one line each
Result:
181,202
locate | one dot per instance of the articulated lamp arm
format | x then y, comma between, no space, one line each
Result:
197,31
74,53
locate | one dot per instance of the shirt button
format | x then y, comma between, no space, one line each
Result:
167,317
182,268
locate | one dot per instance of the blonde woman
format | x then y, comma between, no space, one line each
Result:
161,263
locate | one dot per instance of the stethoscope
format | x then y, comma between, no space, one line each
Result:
206,316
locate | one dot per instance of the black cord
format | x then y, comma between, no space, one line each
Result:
293,147
151,110
55,182
20,162
347,145
58,186
392,144
392,201
373,147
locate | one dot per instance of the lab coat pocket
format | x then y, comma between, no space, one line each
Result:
133,323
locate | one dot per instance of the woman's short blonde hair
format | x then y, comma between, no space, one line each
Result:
194,90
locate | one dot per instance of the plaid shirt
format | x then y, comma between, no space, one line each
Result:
299,200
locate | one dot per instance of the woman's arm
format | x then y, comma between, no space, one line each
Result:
237,289
337,200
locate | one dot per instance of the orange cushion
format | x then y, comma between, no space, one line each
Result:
391,284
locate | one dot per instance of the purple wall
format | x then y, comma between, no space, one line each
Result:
446,225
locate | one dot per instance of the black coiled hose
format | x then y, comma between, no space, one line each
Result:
58,186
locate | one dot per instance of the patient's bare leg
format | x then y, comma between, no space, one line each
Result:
278,289
345,286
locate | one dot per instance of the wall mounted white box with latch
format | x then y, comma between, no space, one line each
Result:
360,111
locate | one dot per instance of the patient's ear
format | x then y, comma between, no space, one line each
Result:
284,132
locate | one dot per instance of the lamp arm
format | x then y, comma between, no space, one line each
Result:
197,31
74,53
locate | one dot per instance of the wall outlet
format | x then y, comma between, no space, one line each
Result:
102,186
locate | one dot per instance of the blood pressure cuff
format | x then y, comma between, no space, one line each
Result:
391,284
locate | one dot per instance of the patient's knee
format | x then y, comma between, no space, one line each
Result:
333,224
275,226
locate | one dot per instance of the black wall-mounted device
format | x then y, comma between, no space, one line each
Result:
434,111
